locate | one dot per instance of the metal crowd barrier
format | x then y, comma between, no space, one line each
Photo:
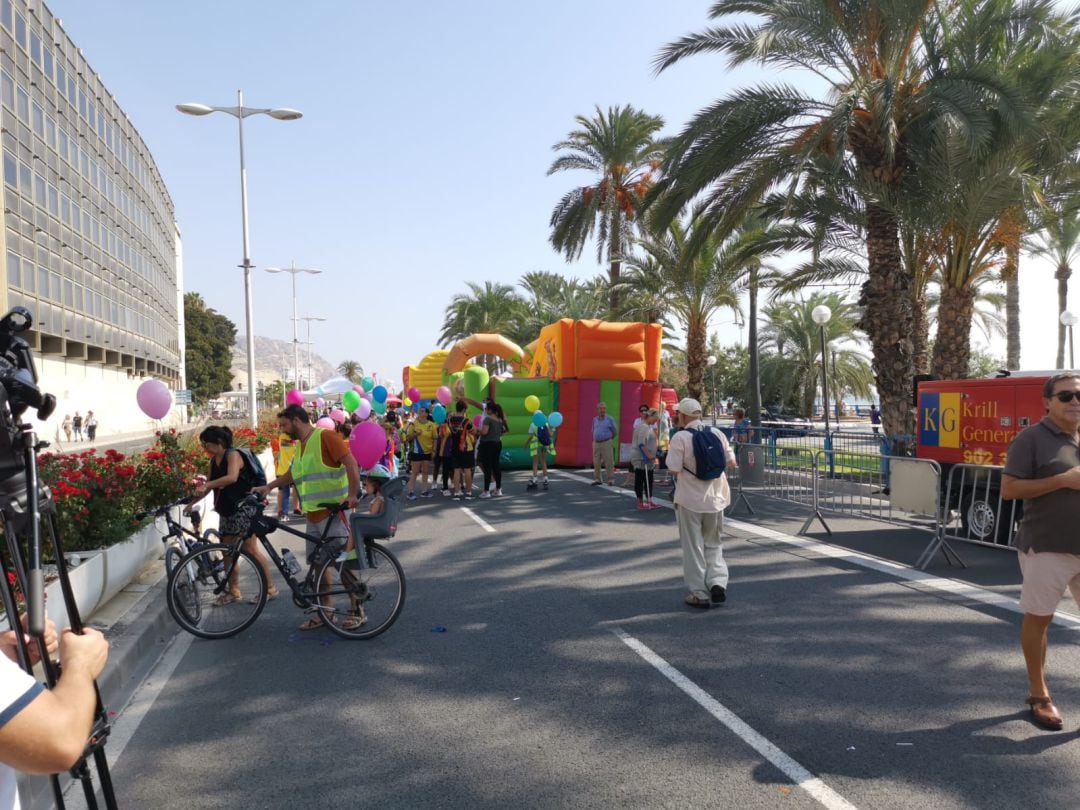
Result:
977,512
786,474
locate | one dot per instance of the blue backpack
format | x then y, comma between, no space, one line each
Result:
253,474
543,435
709,456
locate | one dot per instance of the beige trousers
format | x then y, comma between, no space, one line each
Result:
603,453
702,554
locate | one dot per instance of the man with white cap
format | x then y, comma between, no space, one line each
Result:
701,494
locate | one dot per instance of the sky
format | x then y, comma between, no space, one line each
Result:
420,163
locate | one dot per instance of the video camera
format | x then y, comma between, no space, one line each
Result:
26,510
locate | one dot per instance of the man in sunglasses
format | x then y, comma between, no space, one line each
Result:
1043,468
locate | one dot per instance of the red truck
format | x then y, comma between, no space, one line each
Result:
973,422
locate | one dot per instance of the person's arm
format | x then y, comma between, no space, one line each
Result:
9,642
1015,489
485,426
377,505
49,734
281,481
353,471
675,455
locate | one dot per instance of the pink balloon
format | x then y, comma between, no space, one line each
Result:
294,397
367,443
358,389
414,394
325,422
154,399
338,415
363,410
320,403
443,395
478,420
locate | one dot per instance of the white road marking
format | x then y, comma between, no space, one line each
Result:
799,775
894,569
127,721
487,527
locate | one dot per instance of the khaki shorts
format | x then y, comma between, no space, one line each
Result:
1047,575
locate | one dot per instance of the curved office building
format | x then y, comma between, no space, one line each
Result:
90,242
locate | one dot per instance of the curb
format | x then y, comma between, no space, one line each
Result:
136,642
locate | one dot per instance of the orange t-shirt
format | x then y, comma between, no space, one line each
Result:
334,452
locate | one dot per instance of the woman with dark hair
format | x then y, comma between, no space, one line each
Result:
489,448
231,484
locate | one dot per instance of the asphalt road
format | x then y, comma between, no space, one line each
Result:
571,675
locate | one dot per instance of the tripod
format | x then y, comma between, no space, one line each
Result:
26,511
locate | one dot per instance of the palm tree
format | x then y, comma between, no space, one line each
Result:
351,370
620,149
693,283
883,85
1059,242
793,362
550,296
490,307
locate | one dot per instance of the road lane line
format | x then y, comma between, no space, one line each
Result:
487,527
799,775
954,587
127,721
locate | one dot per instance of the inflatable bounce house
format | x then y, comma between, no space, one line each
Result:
570,368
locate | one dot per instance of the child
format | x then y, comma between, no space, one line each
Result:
541,445
373,484
389,457
444,457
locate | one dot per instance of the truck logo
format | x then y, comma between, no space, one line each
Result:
939,420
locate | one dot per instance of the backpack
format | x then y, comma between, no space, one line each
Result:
253,473
543,435
710,460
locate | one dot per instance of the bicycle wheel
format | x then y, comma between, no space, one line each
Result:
172,557
201,579
364,596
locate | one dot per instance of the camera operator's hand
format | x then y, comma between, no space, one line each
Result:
9,642
48,731
87,652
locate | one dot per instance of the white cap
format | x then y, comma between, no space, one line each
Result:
688,406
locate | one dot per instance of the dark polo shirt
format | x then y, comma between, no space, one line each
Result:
1051,522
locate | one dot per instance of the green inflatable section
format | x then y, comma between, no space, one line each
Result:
511,395
611,395
477,382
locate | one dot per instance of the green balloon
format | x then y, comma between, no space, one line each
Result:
351,401
367,383
379,407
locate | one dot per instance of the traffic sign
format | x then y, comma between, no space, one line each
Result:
183,397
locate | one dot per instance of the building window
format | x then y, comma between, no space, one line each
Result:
61,78
47,64
54,201
78,298
7,90
5,14
54,290
50,131
35,48
22,105
62,147
26,181
43,281
11,170
69,293
39,189
13,270
39,121
20,29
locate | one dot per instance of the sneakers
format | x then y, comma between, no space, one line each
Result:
427,493
497,492
446,493
531,484
345,556
411,496
717,595
597,483
485,494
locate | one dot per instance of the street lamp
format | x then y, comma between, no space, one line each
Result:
821,315
240,112
710,361
293,270
1069,320
309,319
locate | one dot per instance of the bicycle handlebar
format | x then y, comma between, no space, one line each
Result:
164,510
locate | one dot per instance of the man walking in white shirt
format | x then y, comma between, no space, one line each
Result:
699,509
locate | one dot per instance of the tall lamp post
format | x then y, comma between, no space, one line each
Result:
240,112
1069,320
710,361
309,319
821,316
293,270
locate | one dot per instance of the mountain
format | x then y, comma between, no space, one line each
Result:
273,359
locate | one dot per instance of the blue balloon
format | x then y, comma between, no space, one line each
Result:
555,420
539,419
438,414
379,393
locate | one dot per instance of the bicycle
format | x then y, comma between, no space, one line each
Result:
356,598
179,540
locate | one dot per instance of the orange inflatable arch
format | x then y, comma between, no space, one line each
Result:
484,343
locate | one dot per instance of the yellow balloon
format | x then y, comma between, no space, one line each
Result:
406,402
532,402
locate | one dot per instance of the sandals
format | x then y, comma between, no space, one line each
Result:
314,623
271,595
1045,714
354,623
227,599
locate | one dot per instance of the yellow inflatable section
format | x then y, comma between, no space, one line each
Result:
484,343
427,375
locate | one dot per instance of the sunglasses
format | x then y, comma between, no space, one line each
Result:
1066,396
